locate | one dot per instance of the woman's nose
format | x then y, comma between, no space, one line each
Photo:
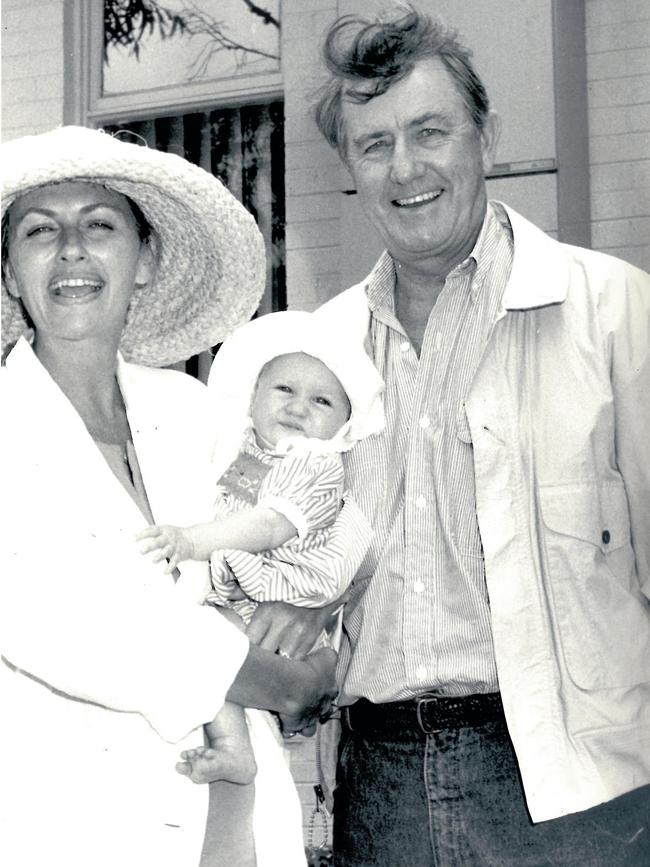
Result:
72,245
405,163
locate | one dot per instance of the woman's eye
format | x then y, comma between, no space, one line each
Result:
100,225
39,230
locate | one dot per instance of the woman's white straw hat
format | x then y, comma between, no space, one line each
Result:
211,266
238,363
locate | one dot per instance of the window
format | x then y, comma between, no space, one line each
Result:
201,79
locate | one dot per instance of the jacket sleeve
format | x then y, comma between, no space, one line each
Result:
82,611
626,323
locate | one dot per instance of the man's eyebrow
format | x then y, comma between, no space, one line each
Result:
427,117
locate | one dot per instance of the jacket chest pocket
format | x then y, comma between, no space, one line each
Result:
601,616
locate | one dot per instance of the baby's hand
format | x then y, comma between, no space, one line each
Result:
166,542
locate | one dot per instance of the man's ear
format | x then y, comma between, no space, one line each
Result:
489,139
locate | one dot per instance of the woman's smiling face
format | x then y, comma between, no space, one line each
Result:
74,255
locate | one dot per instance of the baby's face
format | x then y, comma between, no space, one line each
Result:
298,395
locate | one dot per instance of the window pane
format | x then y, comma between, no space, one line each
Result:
159,43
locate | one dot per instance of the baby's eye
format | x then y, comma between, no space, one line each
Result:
323,401
285,389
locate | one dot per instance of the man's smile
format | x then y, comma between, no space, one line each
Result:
417,200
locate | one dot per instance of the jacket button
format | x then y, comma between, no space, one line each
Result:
606,537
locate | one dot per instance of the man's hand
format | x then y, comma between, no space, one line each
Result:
288,629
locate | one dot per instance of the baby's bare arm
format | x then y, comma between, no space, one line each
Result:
252,530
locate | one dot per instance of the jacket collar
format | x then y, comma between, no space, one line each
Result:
540,272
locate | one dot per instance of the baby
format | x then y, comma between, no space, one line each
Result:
293,400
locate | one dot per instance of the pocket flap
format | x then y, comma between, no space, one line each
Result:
594,513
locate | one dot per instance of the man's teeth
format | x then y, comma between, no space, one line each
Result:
419,199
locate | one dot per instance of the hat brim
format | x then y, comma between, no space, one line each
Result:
212,265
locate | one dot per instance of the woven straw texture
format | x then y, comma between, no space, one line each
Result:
211,269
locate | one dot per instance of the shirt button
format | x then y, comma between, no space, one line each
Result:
421,673
425,421
404,346
421,502
418,587
606,537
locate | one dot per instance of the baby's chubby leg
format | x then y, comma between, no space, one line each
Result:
229,755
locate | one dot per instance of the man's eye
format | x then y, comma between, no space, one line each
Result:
431,132
375,146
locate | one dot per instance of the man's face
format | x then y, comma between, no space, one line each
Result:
418,162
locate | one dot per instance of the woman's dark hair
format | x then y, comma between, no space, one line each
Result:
367,57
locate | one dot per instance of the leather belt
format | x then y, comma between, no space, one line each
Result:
424,714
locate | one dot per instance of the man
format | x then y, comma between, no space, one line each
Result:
496,658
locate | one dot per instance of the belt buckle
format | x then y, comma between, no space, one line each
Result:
426,698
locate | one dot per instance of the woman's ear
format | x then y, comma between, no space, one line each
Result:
9,279
148,261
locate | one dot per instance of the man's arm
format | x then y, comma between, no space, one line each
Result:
292,630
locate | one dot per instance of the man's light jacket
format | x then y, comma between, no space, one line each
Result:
559,419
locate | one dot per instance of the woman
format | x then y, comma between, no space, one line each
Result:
117,256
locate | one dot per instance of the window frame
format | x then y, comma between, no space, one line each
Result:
84,104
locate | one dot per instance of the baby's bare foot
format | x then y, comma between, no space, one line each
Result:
207,764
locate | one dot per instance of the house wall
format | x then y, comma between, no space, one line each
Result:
618,71
32,66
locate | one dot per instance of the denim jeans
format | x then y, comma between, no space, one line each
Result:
454,799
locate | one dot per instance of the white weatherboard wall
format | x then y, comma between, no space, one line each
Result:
32,66
618,70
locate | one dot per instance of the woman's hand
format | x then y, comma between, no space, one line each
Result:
166,542
288,629
319,707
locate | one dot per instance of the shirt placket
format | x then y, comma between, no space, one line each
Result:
424,560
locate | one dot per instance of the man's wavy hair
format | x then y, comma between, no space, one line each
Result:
366,57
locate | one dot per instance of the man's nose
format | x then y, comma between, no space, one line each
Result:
72,246
405,163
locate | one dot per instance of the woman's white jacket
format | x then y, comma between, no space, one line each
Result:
109,668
